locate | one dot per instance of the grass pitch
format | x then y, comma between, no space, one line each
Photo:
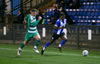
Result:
8,55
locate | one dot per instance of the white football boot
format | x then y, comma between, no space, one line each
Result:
35,49
19,51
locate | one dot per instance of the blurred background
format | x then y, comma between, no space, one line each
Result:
83,18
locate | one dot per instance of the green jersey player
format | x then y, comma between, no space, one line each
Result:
32,32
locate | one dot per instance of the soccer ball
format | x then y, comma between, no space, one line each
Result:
85,53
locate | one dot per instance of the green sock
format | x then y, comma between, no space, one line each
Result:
22,45
37,42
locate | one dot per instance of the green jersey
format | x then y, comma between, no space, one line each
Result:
31,23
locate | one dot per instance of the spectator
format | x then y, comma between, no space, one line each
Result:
20,17
62,10
76,4
57,6
53,20
58,1
62,4
54,5
72,3
68,3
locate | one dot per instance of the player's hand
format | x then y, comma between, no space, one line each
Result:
40,18
69,33
25,27
24,22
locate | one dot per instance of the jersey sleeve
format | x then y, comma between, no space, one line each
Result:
36,23
57,23
26,18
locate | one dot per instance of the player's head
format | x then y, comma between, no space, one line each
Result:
33,12
62,16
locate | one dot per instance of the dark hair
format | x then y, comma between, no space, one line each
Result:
19,10
33,10
62,14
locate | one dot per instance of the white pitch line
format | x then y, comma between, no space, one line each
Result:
51,53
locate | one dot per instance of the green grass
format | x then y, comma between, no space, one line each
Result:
8,55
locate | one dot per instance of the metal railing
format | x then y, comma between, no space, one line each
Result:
81,36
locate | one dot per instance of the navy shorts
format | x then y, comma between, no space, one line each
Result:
56,36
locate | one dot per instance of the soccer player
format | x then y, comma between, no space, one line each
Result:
59,31
32,32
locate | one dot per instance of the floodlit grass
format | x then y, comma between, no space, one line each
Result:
8,55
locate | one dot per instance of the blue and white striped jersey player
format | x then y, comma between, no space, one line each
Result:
59,32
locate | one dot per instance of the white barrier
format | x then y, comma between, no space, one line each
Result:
43,32
89,34
4,30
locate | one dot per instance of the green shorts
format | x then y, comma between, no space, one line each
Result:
28,35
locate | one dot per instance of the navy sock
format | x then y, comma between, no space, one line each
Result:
47,44
63,42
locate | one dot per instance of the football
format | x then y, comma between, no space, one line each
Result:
85,53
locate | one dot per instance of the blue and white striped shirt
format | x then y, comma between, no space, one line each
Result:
60,23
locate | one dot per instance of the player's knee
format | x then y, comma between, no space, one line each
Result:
65,39
38,37
25,42
51,42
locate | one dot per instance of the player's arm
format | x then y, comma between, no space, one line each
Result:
26,21
25,24
57,25
39,18
67,26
